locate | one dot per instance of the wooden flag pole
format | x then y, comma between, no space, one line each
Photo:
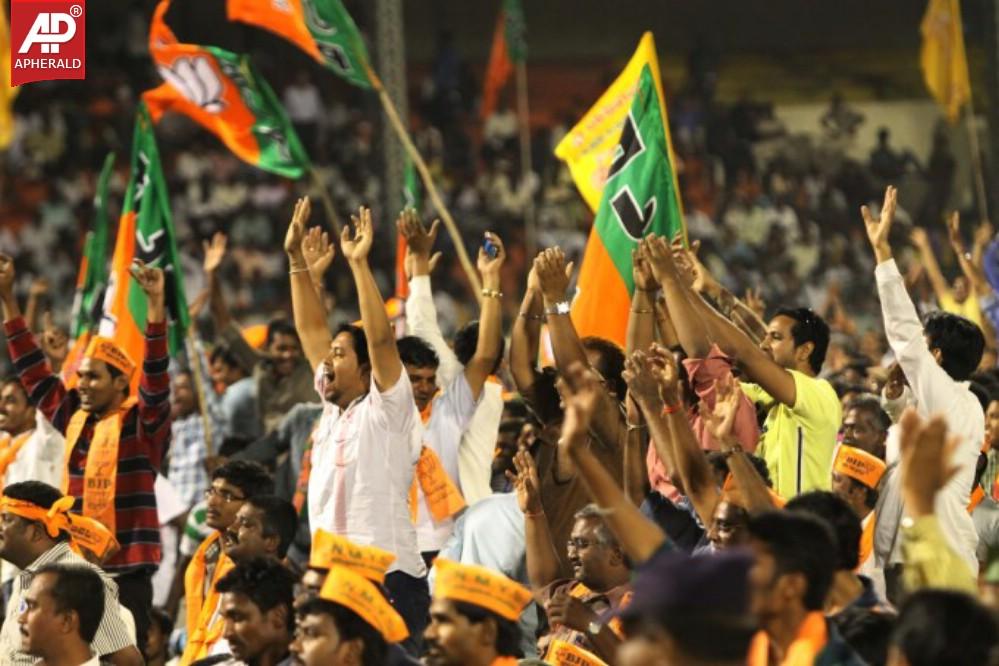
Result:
526,169
976,161
428,182
331,216
194,359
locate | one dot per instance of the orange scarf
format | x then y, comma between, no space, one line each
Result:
202,633
8,453
443,496
810,641
867,539
505,661
101,469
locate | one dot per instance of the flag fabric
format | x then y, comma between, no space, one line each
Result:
412,197
93,276
509,47
588,148
321,28
640,197
222,92
146,233
7,94
943,59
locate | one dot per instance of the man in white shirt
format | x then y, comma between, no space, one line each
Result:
30,448
368,441
474,356
938,358
61,612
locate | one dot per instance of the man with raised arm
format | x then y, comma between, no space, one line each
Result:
938,358
367,442
115,443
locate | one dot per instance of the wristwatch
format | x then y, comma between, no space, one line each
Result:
594,628
561,308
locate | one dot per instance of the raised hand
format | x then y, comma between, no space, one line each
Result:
720,419
553,275
580,393
984,234
666,372
927,455
54,341
39,287
214,252
295,235
641,271
150,279
318,252
489,267
754,301
641,378
356,244
878,228
657,253
419,240
526,483
954,232
919,237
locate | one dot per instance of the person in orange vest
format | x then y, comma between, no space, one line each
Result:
473,617
856,475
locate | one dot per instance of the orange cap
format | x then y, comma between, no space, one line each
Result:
352,590
481,587
104,349
329,550
859,465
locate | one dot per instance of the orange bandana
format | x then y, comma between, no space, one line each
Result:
352,590
481,587
91,535
104,349
859,465
55,519
101,470
330,550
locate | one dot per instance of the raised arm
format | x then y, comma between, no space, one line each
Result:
37,292
642,317
526,336
154,380
306,308
385,363
225,329
489,343
969,267
543,561
690,329
922,242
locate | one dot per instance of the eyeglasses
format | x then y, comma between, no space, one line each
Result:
580,544
223,495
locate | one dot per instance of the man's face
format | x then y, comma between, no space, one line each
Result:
245,538
592,562
224,501
156,642
424,381
248,631
778,343
961,289
97,389
860,429
845,488
310,585
285,350
767,590
451,640
317,643
343,376
182,399
728,529
39,621
15,537
225,374
992,424
16,415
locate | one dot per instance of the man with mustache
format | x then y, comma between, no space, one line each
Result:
61,612
264,527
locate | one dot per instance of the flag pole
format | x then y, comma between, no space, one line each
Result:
194,358
526,169
428,182
976,161
331,217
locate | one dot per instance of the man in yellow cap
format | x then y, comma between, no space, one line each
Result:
855,478
115,442
473,617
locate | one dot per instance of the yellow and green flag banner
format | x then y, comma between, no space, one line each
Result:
509,47
588,148
145,232
639,197
943,59
321,28
7,94
222,92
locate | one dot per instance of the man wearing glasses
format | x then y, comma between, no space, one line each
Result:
232,484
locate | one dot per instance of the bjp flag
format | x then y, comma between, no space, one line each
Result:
943,59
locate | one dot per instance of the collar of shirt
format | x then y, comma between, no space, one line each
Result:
56,553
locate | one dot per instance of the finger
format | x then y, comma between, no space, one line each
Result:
434,260
865,212
434,229
568,269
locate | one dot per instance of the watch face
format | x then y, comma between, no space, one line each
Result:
594,628
562,308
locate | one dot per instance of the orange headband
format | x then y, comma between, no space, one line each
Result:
55,519
104,349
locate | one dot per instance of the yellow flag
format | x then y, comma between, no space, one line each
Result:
7,94
588,148
944,64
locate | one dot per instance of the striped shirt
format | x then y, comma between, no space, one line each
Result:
112,633
145,438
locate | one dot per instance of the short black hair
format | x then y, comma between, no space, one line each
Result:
838,515
960,341
799,543
944,627
280,519
162,620
703,635
417,352
280,326
78,588
223,353
350,626
360,340
809,327
871,405
466,340
542,398
610,364
38,493
719,462
507,632
250,477
867,631
264,581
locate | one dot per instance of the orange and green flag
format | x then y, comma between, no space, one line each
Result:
943,59
7,94
222,92
146,233
639,197
509,47
322,28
